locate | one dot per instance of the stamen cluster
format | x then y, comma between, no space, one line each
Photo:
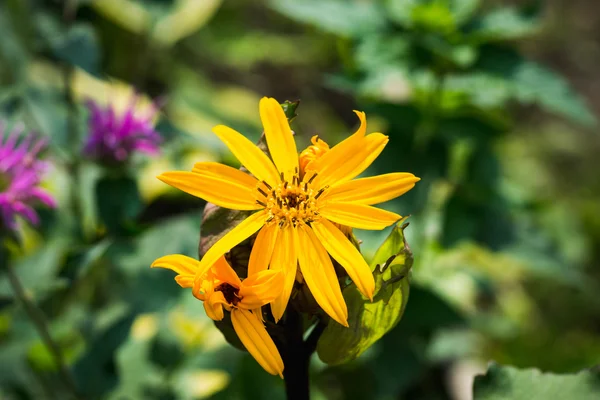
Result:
292,202
230,292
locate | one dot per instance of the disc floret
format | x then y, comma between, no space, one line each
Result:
293,202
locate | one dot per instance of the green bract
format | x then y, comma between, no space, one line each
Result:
370,321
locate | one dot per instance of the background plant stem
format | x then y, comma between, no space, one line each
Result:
39,321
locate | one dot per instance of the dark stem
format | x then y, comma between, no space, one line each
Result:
297,353
295,358
68,72
39,321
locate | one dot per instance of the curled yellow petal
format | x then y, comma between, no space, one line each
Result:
359,216
344,252
262,250
249,154
222,191
284,259
241,232
185,281
224,272
178,263
364,152
213,305
372,190
260,289
255,338
320,276
338,154
278,133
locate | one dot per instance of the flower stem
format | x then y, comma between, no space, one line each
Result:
39,321
296,356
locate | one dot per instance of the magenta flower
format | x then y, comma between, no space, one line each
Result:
20,175
115,137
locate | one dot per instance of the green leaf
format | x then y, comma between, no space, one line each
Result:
505,23
400,11
430,16
119,202
463,9
503,382
532,83
38,272
344,18
369,321
535,83
79,46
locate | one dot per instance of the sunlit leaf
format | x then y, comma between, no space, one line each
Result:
187,17
344,18
504,24
370,321
504,382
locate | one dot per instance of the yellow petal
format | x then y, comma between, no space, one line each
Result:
222,191
260,289
213,305
353,162
344,252
225,273
359,216
249,154
225,172
179,263
284,259
254,337
320,276
241,232
185,281
372,190
340,152
279,136
262,250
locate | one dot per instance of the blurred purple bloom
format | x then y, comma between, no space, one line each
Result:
114,137
20,175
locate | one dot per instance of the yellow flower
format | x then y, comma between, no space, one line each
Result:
297,208
221,289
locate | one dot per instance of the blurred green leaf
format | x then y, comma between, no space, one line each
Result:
118,201
433,16
505,23
537,84
187,17
463,10
504,382
38,272
79,46
369,321
345,18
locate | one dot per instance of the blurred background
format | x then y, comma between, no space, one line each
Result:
494,104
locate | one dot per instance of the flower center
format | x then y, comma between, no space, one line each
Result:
230,293
292,201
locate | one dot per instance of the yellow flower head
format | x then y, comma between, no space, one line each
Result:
221,289
297,212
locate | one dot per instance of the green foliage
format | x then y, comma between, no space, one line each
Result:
507,382
352,19
369,321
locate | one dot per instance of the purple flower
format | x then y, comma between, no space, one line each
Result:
20,175
115,137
